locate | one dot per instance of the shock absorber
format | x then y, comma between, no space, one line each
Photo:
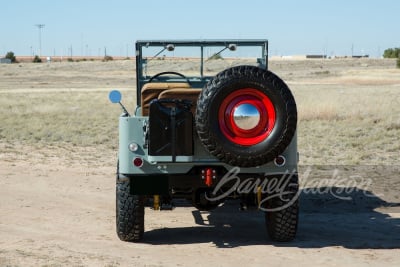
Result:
156,202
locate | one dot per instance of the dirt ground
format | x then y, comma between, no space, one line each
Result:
57,203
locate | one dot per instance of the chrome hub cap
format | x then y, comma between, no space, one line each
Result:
246,116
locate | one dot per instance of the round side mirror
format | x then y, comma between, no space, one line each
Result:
115,96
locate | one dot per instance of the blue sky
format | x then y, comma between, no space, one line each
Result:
292,27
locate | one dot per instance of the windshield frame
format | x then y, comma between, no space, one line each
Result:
195,81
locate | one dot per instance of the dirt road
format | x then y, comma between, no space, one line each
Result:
55,213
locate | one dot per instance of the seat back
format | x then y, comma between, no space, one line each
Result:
182,93
151,91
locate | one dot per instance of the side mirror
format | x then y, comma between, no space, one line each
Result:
115,96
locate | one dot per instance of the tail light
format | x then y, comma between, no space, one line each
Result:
137,162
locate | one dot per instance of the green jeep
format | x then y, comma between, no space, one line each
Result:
211,123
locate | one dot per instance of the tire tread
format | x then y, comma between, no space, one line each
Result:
130,213
236,74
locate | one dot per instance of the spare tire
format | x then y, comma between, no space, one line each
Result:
246,116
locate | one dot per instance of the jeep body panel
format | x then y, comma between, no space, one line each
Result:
131,130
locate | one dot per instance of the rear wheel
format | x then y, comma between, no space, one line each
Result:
282,212
246,116
129,213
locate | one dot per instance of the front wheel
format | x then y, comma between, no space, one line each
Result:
129,213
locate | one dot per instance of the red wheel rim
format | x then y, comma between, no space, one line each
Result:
238,135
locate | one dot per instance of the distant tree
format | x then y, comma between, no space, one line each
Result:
10,55
398,63
392,53
107,58
37,59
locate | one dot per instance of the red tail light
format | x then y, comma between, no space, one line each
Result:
137,162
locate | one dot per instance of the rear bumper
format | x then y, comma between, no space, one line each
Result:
184,185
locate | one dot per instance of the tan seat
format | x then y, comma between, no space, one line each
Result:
182,93
151,91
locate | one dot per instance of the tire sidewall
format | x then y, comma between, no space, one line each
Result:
227,87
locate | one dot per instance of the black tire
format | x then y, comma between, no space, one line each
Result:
234,80
129,213
282,223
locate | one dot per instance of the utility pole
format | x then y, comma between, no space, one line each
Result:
40,27
352,50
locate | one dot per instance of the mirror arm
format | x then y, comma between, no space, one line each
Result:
124,109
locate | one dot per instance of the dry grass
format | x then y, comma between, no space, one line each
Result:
348,124
71,117
349,110
341,120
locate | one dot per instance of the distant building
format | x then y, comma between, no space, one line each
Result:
360,56
5,61
315,56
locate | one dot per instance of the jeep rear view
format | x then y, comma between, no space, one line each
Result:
211,123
